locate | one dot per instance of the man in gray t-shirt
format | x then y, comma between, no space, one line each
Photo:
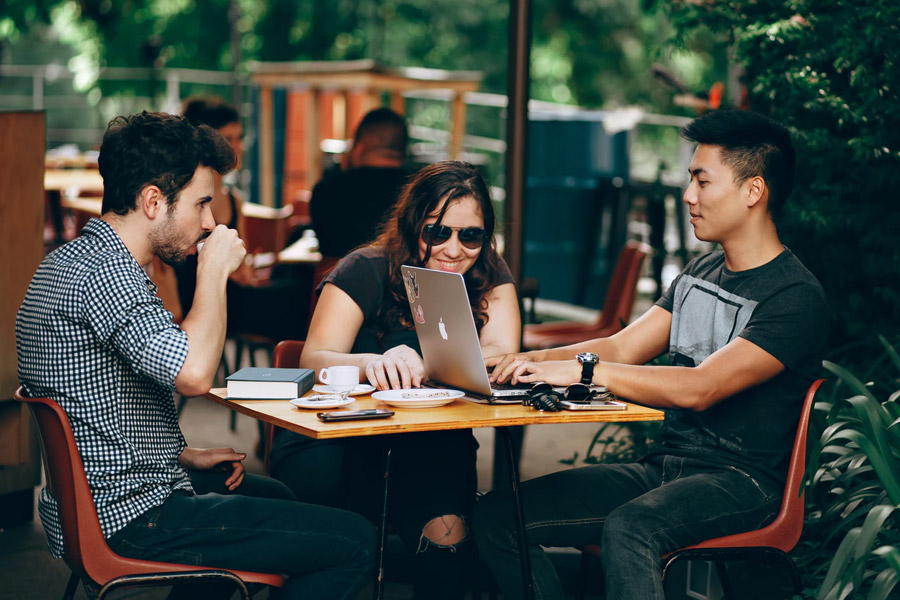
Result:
744,329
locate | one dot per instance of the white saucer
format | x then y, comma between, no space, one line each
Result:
322,401
418,397
359,390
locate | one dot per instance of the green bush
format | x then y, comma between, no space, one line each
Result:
852,539
829,69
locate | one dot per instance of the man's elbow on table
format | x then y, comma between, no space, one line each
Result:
192,382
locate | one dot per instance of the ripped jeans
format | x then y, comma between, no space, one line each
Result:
433,482
636,512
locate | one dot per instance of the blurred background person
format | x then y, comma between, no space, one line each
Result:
366,188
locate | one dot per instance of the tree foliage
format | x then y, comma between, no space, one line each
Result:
830,69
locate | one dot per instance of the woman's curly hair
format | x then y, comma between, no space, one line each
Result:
400,232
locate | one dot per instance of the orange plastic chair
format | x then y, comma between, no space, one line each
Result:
616,311
86,552
773,541
285,356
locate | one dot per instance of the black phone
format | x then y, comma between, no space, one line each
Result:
355,415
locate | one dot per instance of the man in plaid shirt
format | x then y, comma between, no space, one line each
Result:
92,335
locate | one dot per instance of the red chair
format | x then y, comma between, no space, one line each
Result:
285,356
323,268
616,311
86,552
773,541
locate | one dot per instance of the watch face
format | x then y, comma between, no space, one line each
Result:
589,357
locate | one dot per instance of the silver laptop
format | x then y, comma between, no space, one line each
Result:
448,337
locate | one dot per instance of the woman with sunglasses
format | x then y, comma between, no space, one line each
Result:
443,220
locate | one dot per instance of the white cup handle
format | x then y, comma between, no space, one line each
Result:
323,375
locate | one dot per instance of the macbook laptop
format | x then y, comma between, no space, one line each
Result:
448,337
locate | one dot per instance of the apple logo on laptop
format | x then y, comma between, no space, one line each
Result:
442,328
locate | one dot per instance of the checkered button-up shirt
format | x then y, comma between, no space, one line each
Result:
92,335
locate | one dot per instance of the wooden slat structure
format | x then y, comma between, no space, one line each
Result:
348,89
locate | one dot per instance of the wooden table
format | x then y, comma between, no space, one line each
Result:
460,414
58,181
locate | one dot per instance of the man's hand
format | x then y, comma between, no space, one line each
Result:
399,367
222,459
504,364
554,372
223,249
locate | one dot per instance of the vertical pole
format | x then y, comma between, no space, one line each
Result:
234,13
37,89
265,144
313,139
516,129
458,127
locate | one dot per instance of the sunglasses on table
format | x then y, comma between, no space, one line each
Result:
542,396
470,237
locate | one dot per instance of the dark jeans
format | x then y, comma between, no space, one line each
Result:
432,474
325,552
636,512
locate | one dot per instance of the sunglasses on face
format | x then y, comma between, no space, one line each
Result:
470,237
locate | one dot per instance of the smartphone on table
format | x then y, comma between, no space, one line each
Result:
355,415
592,405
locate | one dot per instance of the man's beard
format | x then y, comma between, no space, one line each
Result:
168,245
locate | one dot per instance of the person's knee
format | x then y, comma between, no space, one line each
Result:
626,527
445,531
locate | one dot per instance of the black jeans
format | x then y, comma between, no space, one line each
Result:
325,552
432,475
636,512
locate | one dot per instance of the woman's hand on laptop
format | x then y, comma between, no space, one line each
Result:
399,367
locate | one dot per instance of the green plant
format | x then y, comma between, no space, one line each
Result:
618,443
855,486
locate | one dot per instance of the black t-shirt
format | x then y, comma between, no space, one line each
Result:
363,275
346,207
781,308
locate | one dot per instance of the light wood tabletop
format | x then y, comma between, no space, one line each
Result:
86,180
460,414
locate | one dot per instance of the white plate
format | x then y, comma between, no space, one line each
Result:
418,397
359,390
322,401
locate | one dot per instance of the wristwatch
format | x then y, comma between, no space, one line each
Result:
587,360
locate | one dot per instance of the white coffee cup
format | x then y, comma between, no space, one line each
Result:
343,378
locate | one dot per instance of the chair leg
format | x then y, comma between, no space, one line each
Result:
724,580
581,587
71,587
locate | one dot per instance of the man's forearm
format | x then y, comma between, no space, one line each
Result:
205,327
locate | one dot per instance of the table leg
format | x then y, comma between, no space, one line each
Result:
382,529
524,557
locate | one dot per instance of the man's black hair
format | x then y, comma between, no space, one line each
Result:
385,129
752,144
156,149
216,113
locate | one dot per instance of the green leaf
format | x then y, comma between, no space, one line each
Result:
842,558
884,582
848,378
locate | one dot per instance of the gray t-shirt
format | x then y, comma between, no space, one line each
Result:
781,308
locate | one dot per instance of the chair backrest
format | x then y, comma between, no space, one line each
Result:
67,482
285,356
622,288
265,228
322,268
784,532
